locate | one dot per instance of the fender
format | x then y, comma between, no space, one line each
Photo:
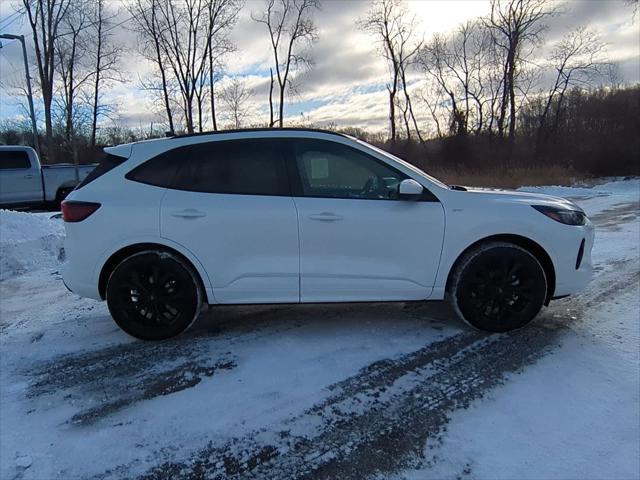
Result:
107,254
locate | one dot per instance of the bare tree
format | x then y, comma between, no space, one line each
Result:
407,60
390,23
271,99
223,15
576,60
470,66
186,40
236,96
45,18
291,28
432,98
144,14
106,56
434,61
71,49
515,24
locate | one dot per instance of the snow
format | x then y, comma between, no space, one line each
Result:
29,241
573,414
595,198
576,413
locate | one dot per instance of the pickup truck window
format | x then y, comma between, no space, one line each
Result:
10,160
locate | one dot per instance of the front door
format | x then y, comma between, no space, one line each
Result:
358,240
20,180
231,207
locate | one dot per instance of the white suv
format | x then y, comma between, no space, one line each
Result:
307,216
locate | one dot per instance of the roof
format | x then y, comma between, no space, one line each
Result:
243,130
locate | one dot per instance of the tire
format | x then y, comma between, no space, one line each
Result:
498,287
153,295
61,194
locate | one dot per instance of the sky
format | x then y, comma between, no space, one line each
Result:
347,84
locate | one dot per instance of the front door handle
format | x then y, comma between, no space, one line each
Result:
28,176
326,217
188,213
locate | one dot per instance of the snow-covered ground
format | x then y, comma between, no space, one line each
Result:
28,241
339,391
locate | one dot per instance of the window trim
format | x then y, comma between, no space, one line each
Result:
179,170
295,176
19,169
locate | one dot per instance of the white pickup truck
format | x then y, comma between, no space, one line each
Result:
24,182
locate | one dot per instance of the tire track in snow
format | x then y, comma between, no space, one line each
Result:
110,379
389,412
378,421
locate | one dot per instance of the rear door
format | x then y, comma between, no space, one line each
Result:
358,240
231,207
19,178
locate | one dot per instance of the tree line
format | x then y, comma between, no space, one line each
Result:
484,79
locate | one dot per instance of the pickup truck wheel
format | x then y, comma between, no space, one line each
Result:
61,194
153,295
498,287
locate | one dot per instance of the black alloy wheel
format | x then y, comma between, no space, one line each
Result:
499,287
153,295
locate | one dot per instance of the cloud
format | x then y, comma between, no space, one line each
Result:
346,85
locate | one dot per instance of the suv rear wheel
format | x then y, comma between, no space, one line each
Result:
498,287
153,295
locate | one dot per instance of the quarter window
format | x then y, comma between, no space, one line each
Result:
11,159
108,163
332,170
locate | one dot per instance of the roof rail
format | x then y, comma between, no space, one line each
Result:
264,129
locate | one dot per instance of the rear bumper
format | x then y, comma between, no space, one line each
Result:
78,271
78,280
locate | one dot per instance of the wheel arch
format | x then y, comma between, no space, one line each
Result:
129,250
529,245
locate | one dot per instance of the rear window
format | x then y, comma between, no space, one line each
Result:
244,167
108,163
11,159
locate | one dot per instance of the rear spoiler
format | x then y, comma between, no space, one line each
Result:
123,150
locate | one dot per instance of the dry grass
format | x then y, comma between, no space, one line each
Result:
509,178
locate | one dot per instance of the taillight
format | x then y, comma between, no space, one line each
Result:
73,211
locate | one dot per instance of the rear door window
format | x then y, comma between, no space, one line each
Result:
14,159
244,167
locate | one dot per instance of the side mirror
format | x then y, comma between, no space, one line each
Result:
409,188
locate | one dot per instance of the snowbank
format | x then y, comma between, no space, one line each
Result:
29,241
611,187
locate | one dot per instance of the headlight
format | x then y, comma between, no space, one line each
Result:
562,215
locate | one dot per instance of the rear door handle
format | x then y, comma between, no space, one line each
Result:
326,217
28,176
188,213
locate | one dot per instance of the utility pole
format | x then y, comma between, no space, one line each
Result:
8,36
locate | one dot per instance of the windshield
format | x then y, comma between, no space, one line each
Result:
405,163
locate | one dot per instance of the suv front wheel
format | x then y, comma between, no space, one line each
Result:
498,287
153,295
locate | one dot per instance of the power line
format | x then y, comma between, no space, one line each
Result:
10,20
118,24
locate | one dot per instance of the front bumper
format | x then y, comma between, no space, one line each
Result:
569,279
